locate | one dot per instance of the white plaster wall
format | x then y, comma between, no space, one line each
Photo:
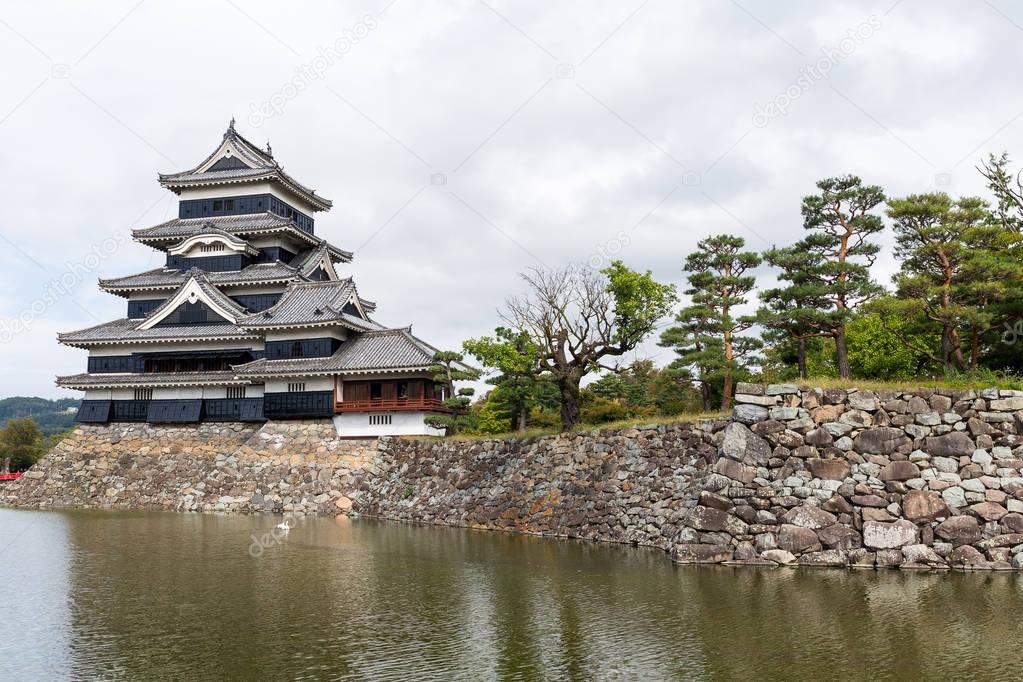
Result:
311,384
308,333
356,424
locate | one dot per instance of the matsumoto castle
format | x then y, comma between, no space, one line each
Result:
249,319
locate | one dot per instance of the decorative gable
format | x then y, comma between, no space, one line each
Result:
196,302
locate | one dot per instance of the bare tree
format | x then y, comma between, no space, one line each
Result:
578,317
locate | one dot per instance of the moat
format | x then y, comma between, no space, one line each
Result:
152,595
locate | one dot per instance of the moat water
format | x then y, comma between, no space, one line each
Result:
152,596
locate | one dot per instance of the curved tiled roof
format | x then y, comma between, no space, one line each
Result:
310,304
385,350
246,224
259,165
166,278
126,331
203,281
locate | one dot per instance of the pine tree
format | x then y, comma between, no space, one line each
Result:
518,384
941,245
448,368
799,310
708,336
841,220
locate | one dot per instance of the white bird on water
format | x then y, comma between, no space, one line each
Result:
283,525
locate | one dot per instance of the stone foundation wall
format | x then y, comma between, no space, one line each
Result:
299,466
917,479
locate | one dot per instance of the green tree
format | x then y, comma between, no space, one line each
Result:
798,310
883,345
578,318
448,368
708,335
840,221
947,268
21,444
519,386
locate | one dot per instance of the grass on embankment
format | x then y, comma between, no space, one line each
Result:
963,382
580,428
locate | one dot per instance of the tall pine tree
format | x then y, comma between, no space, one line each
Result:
708,336
840,221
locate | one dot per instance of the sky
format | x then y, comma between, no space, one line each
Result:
465,141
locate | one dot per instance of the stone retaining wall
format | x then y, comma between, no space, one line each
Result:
917,479
299,466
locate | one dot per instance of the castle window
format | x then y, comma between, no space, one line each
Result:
297,387
296,349
235,392
379,420
143,394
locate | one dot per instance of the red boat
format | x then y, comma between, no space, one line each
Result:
10,477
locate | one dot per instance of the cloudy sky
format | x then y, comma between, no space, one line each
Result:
464,141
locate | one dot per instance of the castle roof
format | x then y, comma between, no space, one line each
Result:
244,225
83,382
305,304
126,331
237,160
383,350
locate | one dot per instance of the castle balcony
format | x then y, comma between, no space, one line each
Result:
391,405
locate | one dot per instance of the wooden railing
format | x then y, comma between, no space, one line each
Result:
391,404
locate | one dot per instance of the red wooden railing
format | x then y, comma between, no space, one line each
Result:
11,477
391,404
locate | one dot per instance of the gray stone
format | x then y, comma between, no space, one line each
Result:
863,400
739,443
782,389
953,444
749,414
701,554
880,440
954,497
779,556
806,516
878,535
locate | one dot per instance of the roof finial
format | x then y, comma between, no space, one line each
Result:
230,126
269,152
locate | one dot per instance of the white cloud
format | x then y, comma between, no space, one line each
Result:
97,100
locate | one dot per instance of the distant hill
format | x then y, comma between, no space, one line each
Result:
52,416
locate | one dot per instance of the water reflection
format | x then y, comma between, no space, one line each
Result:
168,596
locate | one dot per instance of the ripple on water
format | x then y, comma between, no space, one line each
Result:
168,596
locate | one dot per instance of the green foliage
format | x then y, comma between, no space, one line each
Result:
447,369
840,221
881,347
52,416
707,336
519,383
22,443
578,318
